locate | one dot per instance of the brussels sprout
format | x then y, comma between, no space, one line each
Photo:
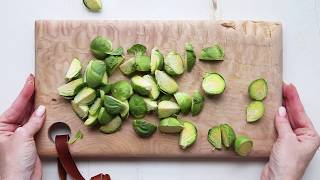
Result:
151,105
143,128
213,83
166,83
173,64
81,110
184,100
128,67
197,103
166,97
167,108
74,70
116,52
71,88
227,134
104,80
112,62
156,60
142,63
243,145
190,57
214,137
141,85
258,89
106,88
92,120
93,5
94,73
124,114
76,137
137,49
99,46
112,126
104,117
214,53
170,125
85,96
113,105
188,135
154,93
122,90
95,107
255,111
137,106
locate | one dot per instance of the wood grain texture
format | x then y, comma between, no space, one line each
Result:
253,50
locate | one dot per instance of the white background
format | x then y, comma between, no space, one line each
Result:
301,36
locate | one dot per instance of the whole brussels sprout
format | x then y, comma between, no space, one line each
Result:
122,90
99,46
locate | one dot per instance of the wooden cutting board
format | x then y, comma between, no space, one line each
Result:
252,50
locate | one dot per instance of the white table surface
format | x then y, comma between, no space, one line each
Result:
301,52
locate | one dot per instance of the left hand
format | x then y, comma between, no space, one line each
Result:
18,154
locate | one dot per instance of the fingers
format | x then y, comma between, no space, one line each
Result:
282,123
34,124
19,105
297,114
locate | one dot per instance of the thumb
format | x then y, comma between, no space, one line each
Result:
35,122
282,123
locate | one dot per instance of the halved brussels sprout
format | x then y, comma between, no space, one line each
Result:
190,57
156,60
214,53
85,96
143,128
258,89
243,145
255,111
228,135
124,114
81,110
155,92
170,125
167,108
116,52
128,67
166,97
122,90
166,83
93,5
113,105
137,106
213,83
214,137
113,126
104,80
197,103
71,88
142,62
94,73
92,120
112,62
188,135
141,85
137,49
106,88
95,107
184,100
173,64
104,117
99,46
74,70
151,105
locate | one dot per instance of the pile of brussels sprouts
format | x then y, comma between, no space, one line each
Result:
152,88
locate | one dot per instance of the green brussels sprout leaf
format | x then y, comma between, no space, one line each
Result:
137,49
214,53
197,103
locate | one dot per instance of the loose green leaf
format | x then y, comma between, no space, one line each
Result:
214,52
112,63
76,137
116,52
137,49
190,56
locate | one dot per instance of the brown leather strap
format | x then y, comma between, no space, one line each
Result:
66,163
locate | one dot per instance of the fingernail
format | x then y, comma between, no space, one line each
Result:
282,111
40,111
30,78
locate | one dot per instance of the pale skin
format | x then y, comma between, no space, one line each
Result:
297,140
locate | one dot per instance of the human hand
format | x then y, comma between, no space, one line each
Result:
297,140
18,125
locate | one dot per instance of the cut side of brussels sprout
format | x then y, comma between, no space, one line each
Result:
137,49
113,126
85,96
173,64
243,145
112,63
167,108
142,63
258,89
214,53
155,92
71,88
92,120
213,83
166,83
188,135
74,70
104,80
141,85
104,117
197,103
190,57
100,45
95,107
94,73
214,137
128,67
143,128
93,5
82,111
255,111
170,125
184,100
122,90
124,114
228,135
151,105
156,60
113,105
137,106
